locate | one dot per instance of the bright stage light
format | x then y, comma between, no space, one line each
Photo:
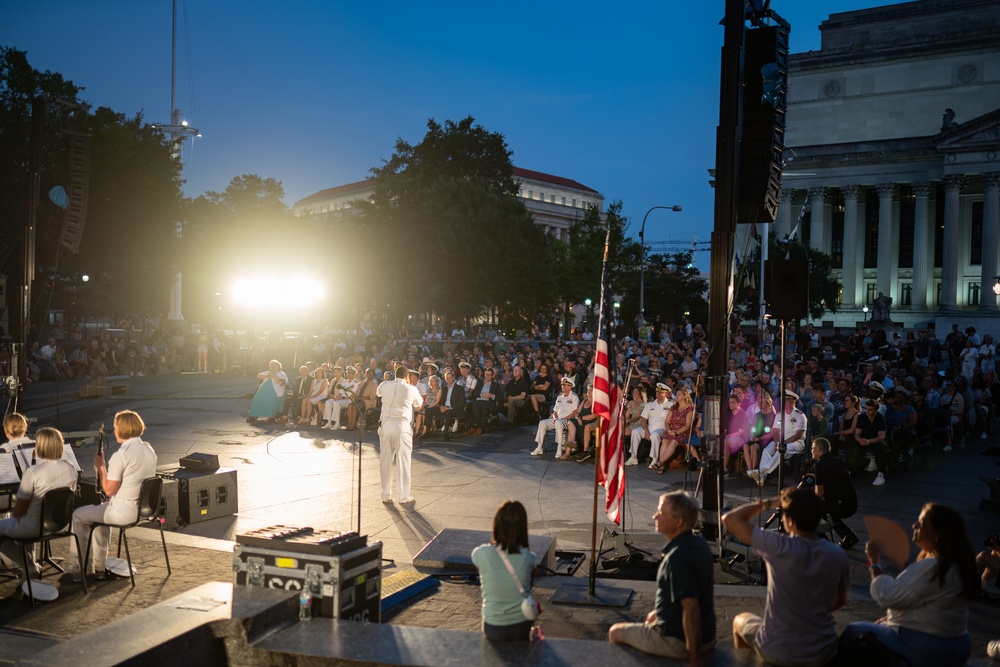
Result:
277,292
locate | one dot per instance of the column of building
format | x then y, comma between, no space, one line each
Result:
991,239
923,247
849,275
951,266
817,219
886,271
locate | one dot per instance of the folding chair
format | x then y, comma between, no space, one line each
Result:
57,514
148,510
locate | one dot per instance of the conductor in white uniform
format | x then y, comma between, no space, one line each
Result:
134,462
399,399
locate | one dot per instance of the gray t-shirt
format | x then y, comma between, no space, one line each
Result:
804,576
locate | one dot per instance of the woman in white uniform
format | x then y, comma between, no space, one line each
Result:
50,472
134,462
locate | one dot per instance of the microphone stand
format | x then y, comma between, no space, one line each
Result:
359,403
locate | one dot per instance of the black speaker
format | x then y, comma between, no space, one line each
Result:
765,81
786,289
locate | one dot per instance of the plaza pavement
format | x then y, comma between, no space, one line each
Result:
309,477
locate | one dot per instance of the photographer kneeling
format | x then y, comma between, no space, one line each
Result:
833,486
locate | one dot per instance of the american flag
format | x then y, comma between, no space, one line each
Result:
608,404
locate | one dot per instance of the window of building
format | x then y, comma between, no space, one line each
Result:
805,234
840,296
552,199
870,293
563,201
531,194
907,216
937,292
871,228
976,228
574,202
836,199
906,294
973,294
939,228
541,196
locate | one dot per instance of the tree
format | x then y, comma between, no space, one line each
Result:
824,288
673,287
457,239
134,193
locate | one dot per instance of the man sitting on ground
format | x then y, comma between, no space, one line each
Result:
807,580
682,623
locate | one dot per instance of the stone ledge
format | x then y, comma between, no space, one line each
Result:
333,642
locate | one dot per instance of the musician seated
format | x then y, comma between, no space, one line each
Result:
50,472
120,480
15,428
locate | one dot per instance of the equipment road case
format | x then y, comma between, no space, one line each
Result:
346,586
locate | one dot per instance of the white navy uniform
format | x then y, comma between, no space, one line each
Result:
792,423
655,414
399,399
36,482
563,407
134,462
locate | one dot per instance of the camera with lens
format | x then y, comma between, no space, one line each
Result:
808,481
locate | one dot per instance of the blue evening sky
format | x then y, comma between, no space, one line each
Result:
622,97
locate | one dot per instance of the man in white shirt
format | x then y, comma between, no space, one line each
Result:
654,425
565,406
793,426
395,433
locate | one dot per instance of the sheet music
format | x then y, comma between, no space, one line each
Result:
23,456
70,456
8,473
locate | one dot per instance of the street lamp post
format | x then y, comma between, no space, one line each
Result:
642,257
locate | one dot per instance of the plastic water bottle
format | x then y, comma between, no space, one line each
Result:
305,605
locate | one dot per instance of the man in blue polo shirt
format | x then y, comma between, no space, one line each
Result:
682,623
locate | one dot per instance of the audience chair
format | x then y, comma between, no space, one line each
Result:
148,510
57,514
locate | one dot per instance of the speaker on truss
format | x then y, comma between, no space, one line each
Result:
786,289
765,81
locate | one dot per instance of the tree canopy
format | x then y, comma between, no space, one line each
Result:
134,195
451,236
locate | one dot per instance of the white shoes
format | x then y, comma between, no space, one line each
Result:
872,467
632,462
408,500
538,452
454,427
755,476
879,480
386,499
946,448
993,649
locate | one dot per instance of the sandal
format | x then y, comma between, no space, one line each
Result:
658,467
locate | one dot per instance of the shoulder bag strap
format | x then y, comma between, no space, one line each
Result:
510,568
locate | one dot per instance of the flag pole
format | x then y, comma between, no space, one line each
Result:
593,526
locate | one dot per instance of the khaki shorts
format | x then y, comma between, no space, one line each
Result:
648,639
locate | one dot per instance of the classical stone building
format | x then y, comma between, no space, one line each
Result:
553,201
893,158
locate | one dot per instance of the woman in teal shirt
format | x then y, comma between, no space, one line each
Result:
503,619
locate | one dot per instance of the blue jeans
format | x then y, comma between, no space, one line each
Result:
918,648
